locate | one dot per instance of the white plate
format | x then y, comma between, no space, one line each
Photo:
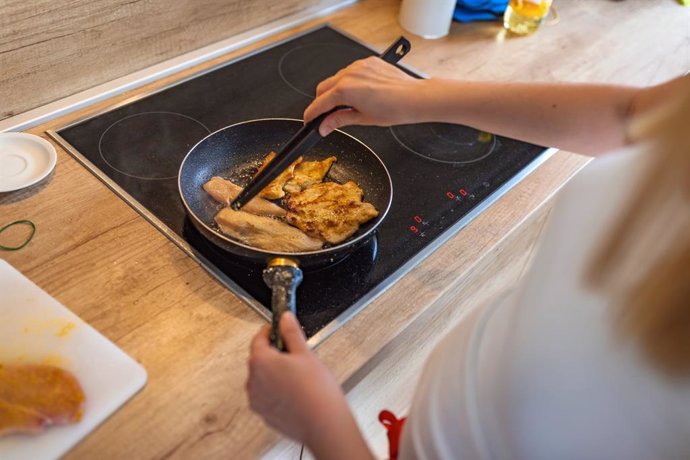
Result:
24,160
36,328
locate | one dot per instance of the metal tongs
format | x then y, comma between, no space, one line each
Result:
305,138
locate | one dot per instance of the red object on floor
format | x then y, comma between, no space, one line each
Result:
394,427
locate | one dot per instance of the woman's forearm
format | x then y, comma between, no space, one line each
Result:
583,118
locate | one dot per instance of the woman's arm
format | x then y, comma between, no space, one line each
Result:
584,118
298,396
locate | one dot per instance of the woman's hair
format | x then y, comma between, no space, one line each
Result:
645,261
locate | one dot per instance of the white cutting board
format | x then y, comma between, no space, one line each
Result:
35,328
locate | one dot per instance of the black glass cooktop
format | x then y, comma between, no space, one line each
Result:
442,174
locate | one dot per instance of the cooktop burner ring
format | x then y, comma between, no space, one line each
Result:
321,54
445,143
177,129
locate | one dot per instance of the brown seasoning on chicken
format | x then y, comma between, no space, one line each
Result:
330,211
308,173
274,190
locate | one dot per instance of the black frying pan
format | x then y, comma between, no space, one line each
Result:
235,152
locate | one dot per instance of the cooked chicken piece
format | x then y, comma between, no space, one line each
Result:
33,397
224,191
274,190
308,173
330,211
265,232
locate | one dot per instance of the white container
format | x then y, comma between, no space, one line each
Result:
427,18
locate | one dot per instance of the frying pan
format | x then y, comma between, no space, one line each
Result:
235,152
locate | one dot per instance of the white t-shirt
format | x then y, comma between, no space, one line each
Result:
541,374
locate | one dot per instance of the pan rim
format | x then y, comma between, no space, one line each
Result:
273,254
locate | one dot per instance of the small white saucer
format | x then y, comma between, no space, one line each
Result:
24,160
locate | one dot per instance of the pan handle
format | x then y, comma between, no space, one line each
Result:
283,276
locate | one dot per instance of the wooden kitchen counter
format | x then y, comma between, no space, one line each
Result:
101,259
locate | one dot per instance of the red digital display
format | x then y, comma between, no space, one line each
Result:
461,193
419,220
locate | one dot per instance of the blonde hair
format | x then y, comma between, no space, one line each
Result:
655,228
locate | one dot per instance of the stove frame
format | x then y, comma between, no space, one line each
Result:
352,310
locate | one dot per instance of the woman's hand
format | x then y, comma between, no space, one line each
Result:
298,396
379,93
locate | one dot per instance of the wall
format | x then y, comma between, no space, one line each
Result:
50,49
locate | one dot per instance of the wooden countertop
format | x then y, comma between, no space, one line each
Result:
100,258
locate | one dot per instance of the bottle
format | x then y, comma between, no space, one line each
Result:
524,17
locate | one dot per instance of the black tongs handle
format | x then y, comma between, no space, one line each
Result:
396,51
306,137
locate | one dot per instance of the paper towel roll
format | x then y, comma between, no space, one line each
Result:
427,18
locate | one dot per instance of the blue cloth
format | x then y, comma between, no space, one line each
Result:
479,10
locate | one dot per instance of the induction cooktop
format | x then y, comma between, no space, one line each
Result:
443,175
